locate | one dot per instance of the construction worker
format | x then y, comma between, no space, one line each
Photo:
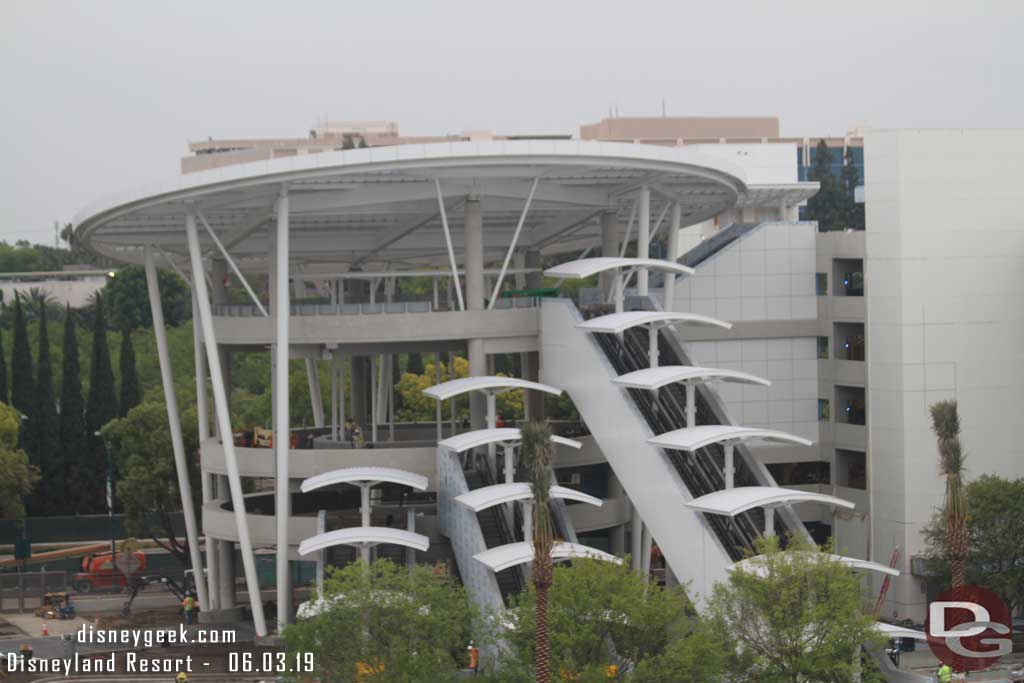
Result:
181,677
474,657
944,674
188,607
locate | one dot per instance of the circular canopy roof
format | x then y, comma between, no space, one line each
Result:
378,207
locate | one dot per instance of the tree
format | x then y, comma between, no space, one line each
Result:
22,385
946,425
42,442
17,476
414,365
794,615
71,430
536,453
402,625
131,390
100,408
3,373
849,180
995,537
823,206
601,614
148,484
127,298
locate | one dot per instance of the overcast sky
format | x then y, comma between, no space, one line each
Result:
103,95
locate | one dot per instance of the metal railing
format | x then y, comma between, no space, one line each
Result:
328,309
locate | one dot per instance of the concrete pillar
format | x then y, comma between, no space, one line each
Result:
410,525
282,426
474,266
533,400
536,278
646,543
618,533
636,539
643,238
361,390
226,575
673,248
609,247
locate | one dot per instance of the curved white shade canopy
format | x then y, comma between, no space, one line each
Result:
732,502
364,535
655,378
363,475
455,387
511,554
893,631
694,438
489,496
584,268
483,437
614,323
755,564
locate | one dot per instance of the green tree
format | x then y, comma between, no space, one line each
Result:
71,430
42,443
100,408
17,476
131,390
849,179
402,625
3,372
127,298
824,206
995,538
536,454
792,616
946,425
601,614
696,657
148,484
414,365
22,384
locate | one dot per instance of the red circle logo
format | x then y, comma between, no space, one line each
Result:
969,628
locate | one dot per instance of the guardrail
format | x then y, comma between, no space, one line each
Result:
250,311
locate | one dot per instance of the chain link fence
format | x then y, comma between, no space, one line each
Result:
24,591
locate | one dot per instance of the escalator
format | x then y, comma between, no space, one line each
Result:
497,531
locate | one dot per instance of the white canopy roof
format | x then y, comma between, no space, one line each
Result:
732,502
511,554
489,496
483,437
619,322
893,631
446,390
360,475
755,564
693,438
655,378
585,267
364,535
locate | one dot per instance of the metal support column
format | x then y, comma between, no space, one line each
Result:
203,422
730,470
282,430
673,247
643,238
691,405
220,400
174,423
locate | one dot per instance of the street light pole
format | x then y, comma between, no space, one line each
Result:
110,495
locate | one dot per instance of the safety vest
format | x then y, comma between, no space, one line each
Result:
181,677
945,673
188,603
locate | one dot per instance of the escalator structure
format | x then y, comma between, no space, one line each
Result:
497,530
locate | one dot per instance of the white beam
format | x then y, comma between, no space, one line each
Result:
448,244
231,262
282,431
203,424
512,244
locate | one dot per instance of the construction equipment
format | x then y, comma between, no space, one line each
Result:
56,606
99,573
137,583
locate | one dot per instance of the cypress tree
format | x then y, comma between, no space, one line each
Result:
73,444
100,408
42,428
3,373
21,364
131,390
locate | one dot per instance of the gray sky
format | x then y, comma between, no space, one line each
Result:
99,96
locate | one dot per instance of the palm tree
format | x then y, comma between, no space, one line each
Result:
946,425
536,450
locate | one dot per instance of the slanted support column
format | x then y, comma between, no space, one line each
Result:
224,427
730,470
610,248
645,563
643,238
174,423
673,248
203,422
282,431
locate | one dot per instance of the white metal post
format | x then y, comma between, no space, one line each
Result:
203,420
282,431
439,404
512,245
492,413
730,471
673,247
691,405
448,244
769,522
342,408
645,563
652,345
528,521
220,400
374,375
334,396
391,397
321,527
410,526
643,238
316,399
636,539
364,495
174,422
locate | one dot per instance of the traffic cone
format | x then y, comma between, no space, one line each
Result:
46,631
